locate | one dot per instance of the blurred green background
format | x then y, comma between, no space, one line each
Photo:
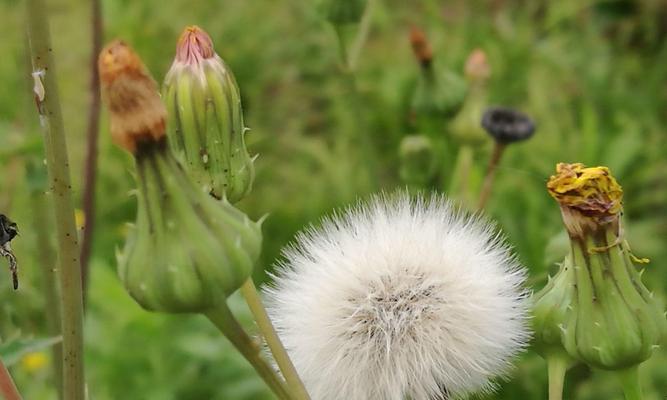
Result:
591,73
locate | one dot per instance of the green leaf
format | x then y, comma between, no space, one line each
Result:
11,352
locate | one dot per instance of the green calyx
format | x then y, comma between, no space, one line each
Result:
206,129
187,251
440,96
342,12
551,307
610,320
614,323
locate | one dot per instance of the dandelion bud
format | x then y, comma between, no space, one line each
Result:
466,128
438,95
550,312
132,97
418,161
477,68
421,47
342,12
399,299
187,251
613,322
206,119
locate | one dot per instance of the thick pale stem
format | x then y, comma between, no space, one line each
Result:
49,282
487,186
50,116
249,292
224,320
557,366
7,387
630,381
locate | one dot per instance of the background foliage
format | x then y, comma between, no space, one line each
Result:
591,73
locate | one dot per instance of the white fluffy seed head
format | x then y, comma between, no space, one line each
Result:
400,298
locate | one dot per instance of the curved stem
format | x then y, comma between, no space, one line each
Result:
490,175
7,387
51,120
557,366
342,47
224,320
362,35
249,292
630,381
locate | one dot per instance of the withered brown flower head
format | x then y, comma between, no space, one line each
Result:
420,46
194,45
132,97
590,198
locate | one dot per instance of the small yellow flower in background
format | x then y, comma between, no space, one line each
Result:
34,361
79,219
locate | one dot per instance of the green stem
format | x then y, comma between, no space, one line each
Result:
92,134
342,47
630,381
487,186
8,389
362,35
557,366
224,320
249,292
50,115
459,185
49,276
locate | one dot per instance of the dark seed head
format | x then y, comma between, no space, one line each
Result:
506,125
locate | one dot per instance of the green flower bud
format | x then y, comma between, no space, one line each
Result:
418,163
550,312
613,322
187,251
437,95
466,127
342,12
206,129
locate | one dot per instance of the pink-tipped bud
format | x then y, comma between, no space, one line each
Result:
194,45
477,67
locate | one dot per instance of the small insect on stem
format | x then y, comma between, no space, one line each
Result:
9,230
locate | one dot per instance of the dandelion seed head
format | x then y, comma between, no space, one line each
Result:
400,298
